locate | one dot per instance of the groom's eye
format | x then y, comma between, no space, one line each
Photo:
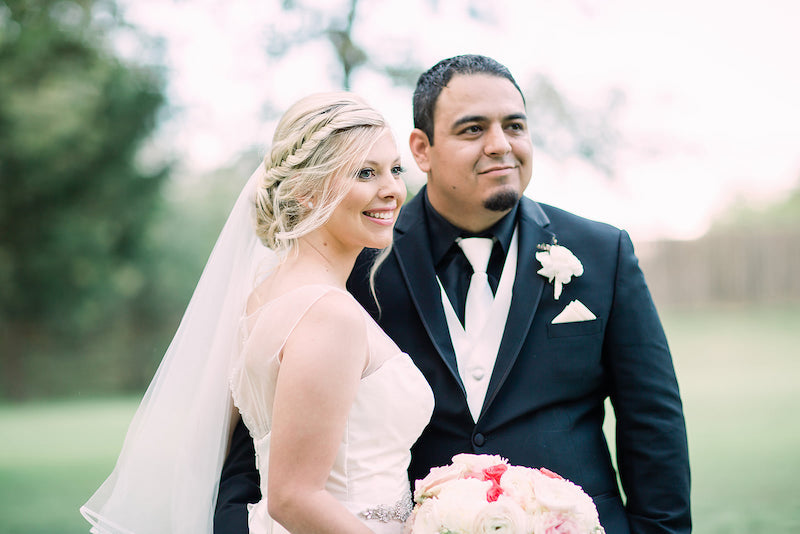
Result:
472,129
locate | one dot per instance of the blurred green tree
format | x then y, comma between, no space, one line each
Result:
780,214
75,203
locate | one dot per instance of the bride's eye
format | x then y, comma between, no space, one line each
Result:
366,174
398,170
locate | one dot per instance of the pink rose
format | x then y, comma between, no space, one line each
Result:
493,475
429,486
556,523
550,474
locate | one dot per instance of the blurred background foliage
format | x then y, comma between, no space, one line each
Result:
102,237
781,215
78,210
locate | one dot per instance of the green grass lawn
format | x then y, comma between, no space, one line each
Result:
738,370
53,456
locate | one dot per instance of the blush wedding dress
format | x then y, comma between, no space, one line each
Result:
392,406
167,473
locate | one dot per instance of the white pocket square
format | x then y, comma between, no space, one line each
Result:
574,312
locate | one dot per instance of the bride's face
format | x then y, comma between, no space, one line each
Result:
366,215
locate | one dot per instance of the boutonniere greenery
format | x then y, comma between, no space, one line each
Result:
559,265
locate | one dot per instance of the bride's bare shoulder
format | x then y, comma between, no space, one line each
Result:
333,326
332,308
271,289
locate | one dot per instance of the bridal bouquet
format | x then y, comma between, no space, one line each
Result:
481,493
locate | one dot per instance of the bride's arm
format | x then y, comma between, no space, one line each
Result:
320,371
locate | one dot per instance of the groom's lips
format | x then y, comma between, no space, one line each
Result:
498,169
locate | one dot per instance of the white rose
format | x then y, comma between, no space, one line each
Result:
517,483
559,265
477,462
502,515
425,519
458,501
560,495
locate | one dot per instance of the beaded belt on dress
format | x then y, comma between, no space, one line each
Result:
398,511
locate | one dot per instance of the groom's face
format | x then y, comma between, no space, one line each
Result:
480,162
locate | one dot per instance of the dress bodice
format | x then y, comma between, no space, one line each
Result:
391,408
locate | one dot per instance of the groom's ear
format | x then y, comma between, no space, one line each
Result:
419,145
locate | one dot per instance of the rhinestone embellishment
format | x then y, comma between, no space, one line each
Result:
385,513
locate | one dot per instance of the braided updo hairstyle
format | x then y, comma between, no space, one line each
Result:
318,148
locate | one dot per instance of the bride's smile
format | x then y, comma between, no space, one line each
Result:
367,213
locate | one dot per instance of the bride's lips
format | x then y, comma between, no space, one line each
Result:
383,216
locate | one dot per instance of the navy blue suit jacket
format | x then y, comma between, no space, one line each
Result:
545,402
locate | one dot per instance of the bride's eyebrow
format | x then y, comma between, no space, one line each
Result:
376,163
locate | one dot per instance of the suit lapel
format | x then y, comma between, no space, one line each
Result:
528,287
412,249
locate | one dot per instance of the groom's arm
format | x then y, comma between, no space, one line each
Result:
238,486
652,452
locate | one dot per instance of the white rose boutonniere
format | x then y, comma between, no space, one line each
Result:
559,265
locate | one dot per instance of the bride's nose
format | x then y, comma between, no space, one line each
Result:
392,187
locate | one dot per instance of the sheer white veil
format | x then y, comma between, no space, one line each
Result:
167,475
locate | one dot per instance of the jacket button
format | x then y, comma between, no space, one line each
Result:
478,440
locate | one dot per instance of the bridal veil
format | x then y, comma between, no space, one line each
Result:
167,474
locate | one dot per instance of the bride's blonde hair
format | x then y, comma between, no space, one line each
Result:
318,147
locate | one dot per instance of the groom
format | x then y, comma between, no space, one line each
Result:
532,387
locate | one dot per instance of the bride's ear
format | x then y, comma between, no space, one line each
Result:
307,202
420,148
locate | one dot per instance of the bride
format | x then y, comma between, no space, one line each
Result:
331,403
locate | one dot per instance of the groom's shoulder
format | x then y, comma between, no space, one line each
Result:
560,221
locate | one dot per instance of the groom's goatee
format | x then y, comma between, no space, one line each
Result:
501,201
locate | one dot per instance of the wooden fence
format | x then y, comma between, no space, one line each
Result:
731,267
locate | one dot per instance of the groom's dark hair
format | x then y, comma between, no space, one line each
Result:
432,81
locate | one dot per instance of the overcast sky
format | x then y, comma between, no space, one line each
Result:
711,110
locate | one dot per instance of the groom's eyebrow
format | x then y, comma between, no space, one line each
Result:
481,118
469,118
